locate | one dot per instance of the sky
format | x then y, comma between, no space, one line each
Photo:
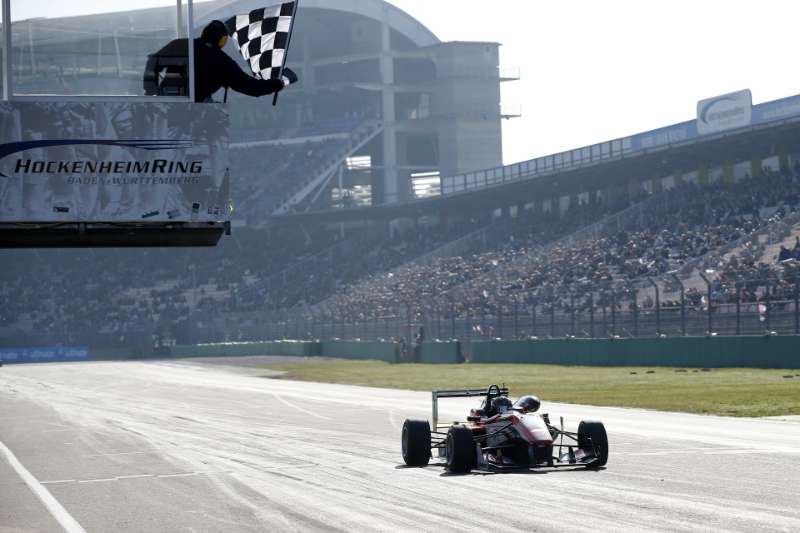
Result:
594,70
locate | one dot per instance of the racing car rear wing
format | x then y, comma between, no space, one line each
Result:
458,393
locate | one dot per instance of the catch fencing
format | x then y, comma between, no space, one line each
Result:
610,312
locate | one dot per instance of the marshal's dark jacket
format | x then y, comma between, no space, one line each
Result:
166,73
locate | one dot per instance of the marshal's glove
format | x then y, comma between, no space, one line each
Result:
289,77
274,86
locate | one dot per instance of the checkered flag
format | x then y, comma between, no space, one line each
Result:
263,37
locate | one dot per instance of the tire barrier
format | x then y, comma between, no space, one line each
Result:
693,352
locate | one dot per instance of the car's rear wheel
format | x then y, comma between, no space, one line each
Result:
592,436
416,442
461,454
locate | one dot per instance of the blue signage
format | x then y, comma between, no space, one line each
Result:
56,354
686,131
733,119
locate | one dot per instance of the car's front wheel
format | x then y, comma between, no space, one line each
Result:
416,442
592,436
461,452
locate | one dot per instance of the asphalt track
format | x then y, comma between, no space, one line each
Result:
170,446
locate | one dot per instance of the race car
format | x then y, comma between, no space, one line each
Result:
502,435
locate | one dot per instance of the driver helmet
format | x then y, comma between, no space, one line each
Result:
501,404
528,404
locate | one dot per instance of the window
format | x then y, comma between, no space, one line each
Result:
69,49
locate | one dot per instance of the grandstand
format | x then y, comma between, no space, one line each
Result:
691,229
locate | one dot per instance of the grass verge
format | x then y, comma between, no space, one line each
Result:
729,392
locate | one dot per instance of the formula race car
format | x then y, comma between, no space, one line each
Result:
502,435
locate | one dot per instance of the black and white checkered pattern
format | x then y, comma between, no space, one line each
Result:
263,36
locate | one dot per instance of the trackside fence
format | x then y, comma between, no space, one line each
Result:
617,312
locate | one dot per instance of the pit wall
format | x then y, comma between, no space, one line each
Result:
692,352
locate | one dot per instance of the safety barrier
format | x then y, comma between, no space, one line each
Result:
382,351
247,349
115,354
440,352
363,350
699,352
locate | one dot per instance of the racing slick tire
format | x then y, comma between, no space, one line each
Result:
460,450
416,442
592,435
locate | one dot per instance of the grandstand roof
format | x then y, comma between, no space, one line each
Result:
768,115
163,18
662,160
377,10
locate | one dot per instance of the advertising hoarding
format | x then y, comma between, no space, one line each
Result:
115,162
56,354
726,112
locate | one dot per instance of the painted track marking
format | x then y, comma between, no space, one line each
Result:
392,420
297,408
64,519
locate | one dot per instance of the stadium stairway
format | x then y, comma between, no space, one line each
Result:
314,187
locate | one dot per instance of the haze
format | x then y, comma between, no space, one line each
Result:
594,71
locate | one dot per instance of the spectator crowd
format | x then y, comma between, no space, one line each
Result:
120,297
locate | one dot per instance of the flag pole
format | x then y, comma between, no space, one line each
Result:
288,42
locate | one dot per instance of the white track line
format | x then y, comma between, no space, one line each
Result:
296,408
392,421
64,519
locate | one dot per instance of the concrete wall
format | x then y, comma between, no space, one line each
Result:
378,351
244,349
700,352
440,353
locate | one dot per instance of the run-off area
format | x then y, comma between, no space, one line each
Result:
180,447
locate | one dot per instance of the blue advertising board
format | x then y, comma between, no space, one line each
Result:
762,114
55,354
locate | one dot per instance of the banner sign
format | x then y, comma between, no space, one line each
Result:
113,162
55,354
726,112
